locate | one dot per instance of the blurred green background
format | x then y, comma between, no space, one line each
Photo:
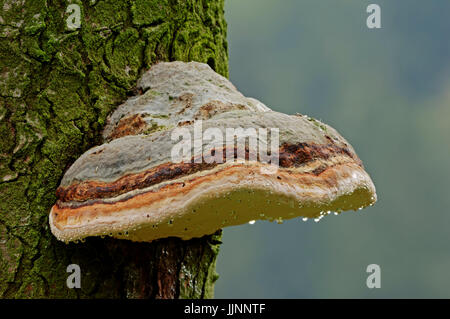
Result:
388,92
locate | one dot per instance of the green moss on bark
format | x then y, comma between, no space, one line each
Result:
56,88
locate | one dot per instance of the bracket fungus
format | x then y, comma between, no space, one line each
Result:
131,186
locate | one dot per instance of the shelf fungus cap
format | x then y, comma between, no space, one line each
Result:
191,155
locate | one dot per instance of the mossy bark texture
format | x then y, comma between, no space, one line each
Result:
57,85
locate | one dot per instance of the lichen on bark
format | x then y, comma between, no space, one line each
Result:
56,88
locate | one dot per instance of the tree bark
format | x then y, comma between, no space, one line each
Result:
56,88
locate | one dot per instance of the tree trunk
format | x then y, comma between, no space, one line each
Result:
57,85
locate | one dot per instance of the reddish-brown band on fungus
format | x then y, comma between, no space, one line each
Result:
131,188
290,156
